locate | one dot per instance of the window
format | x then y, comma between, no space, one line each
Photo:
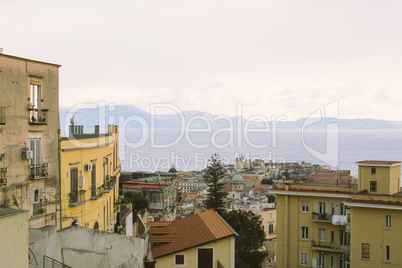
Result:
205,257
179,259
387,251
304,233
271,229
321,234
34,103
365,251
93,180
342,209
373,171
35,162
332,261
303,258
3,115
321,260
321,207
348,217
332,209
373,186
73,184
387,221
332,237
304,206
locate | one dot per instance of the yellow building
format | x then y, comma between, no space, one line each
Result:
201,240
329,226
375,216
311,225
90,171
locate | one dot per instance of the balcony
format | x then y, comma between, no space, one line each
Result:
38,171
38,116
330,247
322,217
109,183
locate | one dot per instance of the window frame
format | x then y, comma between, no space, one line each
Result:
305,208
175,259
322,207
361,251
373,189
388,222
373,171
303,257
387,253
304,233
322,234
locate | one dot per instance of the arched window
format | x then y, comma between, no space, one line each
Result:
96,226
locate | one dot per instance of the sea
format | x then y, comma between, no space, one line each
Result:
189,150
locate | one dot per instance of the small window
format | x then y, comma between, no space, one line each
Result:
332,237
387,253
332,261
304,206
332,209
321,234
271,229
321,207
179,259
304,233
373,171
387,221
373,186
304,258
365,251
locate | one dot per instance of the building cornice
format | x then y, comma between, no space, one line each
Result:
368,205
319,194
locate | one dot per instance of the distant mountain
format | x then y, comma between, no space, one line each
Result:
133,117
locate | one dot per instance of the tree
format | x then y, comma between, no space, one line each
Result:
251,236
213,175
140,202
267,181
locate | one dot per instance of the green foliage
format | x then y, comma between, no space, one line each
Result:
213,174
251,236
267,181
140,202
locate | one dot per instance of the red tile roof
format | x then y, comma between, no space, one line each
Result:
261,189
189,232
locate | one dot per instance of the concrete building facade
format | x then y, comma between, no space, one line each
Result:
29,137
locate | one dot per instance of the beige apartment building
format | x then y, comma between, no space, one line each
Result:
342,226
29,136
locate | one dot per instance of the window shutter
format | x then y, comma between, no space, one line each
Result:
30,195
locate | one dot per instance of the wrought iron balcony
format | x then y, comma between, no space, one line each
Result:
324,217
38,171
328,246
38,116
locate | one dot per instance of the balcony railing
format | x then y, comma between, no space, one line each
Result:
38,171
322,217
38,116
109,183
327,246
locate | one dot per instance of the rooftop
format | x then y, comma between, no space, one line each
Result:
20,58
378,162
185,233
5,212
144,185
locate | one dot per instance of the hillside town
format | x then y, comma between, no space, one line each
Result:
66,202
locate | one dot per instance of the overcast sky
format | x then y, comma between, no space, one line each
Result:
276,57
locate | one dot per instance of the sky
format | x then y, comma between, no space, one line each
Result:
276,58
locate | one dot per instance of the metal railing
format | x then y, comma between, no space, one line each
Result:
37,116
38,171
52,263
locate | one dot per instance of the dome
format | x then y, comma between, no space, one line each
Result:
173,169
237,178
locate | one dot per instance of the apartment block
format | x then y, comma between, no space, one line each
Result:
29,138
90,172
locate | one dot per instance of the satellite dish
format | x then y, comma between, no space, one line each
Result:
15,201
